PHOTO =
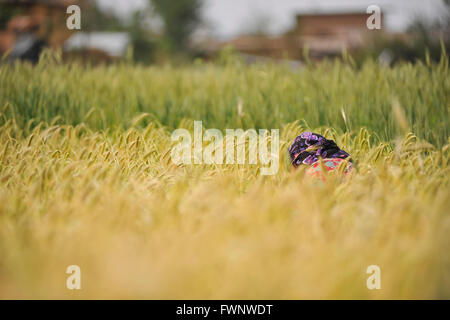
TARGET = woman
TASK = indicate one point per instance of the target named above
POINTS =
(309, 147)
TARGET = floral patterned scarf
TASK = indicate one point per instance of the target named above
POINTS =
(309, 146)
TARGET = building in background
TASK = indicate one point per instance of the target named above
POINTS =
(323, 34)
(36, 24)
(330, 34)
(98, 46)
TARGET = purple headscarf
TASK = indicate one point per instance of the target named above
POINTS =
(309, 146)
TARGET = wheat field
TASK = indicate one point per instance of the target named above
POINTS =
(86, 179)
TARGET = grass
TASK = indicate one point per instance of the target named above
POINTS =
(270, 95)
(86, 179)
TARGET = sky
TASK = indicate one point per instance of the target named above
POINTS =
(228, 18)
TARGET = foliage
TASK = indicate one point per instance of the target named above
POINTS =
(180, 19)
(271, 95)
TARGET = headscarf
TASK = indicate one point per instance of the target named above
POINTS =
(309, 146)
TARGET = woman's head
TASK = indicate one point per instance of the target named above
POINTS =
(309, 146)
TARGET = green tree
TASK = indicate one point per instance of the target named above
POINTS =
(180, 18)
(143, 44)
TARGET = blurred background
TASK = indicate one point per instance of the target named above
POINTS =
(161, 31)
